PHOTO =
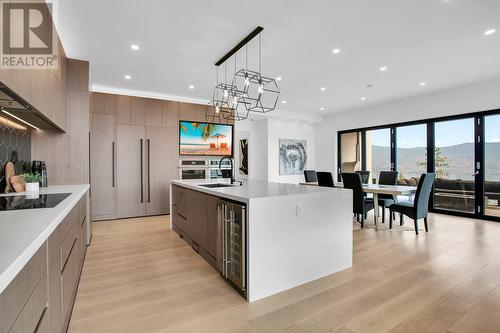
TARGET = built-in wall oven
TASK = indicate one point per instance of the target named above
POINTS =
(204, 169)
(193, 169)
(231, 252)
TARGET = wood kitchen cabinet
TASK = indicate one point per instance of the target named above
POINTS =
(103, 166)
(194, 217)
(40, 298)
(211, 229)
(130, 178)
(157, 164)
(141, 181)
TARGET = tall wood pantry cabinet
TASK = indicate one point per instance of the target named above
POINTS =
(134, 155)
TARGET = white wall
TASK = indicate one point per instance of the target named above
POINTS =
(256, 131)
(263, 148)
(476, 97)
(283, 129)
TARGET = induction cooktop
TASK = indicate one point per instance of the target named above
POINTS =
(18, 202)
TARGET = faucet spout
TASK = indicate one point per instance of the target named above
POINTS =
(229, 158)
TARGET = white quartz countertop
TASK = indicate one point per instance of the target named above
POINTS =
(22, 232)
(255, 189)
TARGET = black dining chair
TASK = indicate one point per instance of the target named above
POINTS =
(325, 179)
(419, 208)
(360, 204)
(385, 200)
(365, 176)
(310, 176)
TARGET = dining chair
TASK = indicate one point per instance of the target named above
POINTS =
(310, 176)
(385, 200)
(365, 176)
(360, 204)
(325, 179)
(419, 208)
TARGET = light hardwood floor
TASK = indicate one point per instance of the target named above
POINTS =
(139, 276)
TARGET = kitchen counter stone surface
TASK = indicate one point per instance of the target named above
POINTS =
(255, 189)
(22, 232)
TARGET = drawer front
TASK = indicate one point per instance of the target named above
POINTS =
(17, 294)
(33, 311)
(179, 220)
(67, 223)
(68, 242)
(69, 279)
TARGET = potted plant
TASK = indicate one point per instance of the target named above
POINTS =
(32, 182)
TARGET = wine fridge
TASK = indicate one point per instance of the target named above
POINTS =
(231, 251)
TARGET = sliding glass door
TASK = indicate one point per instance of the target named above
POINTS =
(454, 188)
(378, 151)
(492, 165)
(463, 151)
(411, 152)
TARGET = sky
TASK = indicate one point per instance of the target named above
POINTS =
(193, 135)
(448, 133)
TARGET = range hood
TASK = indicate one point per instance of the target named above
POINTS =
(15, 108)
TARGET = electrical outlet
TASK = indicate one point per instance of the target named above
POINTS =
(299, 210)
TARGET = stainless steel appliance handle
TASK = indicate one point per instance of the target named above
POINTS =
(142, 174)
(224, 262)
(113, 163)
(229, 240)
(149, 173)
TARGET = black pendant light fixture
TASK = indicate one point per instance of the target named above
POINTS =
(249, 90)
(261, 92)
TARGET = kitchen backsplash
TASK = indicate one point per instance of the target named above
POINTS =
(13, 138)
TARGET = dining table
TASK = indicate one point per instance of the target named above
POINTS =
(376, 189)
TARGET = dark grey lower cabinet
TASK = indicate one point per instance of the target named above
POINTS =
(194, 218)
(40, 298)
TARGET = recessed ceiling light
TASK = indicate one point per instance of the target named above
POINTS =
(279, 78)
(363, 98)
(296, 120)
(336, 51)
(489, 32)
(322, 88)
(383, 68)
(283, 102)
(191, 87)
(282, 118)
(423, 83)
(128, 77)
(134, 47)
(322, 108)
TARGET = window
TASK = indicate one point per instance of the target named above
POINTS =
(378, 151)
(492, 165)
(454, 165)
(411, 155)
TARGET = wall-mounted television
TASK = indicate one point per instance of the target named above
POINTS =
(205, 139)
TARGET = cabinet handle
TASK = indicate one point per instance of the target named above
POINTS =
(142, 174)
(113, 163)
(149, 173)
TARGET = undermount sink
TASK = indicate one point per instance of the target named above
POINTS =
(215, 185)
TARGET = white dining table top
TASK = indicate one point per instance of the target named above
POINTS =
(379, 189)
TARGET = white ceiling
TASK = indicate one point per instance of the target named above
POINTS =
(437, 41)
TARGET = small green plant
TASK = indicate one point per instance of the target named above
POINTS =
(31, 177)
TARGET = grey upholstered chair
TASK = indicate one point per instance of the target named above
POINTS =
(360, 204)
(419, 208)
(310, 176)
(325, 179)
(385, 200)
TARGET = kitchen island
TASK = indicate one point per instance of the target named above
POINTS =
(265, 237)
